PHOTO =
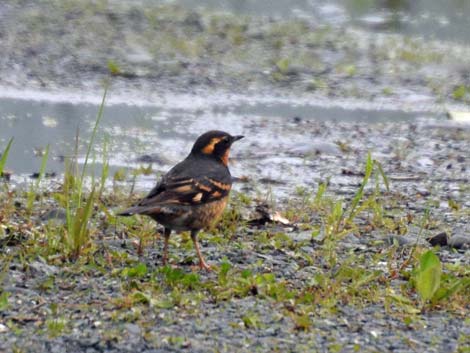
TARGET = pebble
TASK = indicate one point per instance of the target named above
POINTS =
(460, 242)
(398, 239)
(439, 239)
(43, 269)
(57, 215)
(133, 329)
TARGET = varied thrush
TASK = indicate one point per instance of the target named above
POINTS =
(194, 193)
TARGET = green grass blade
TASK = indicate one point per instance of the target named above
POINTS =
(360, 193)
(87, 211)
(3, 159)
(320, 192)
(42, 170)
(93, 135)
(78, 236)
(382, 173)
(104, 169)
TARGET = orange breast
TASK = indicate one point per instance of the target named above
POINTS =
(206, 215)
(182, 217)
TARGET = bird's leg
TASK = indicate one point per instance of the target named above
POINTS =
(166, 235)
(203, 265)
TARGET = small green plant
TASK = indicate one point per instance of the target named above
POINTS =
(428, 275)
(302, 322)
(56, 327)
(371, 167)
(432, 284)
(339, 220)
(349, 69)
(459, 92)
(77, 226)
(78, 209)
(283, 65)
(252, 320)
(113, 68)
(4, 300)
(176, 278)
(138, 271)
(223, 272)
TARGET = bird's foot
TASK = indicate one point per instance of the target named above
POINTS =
(202, 266)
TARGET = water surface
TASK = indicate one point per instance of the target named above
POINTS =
(129, 131)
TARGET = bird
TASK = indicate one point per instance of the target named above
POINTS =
(194, 193)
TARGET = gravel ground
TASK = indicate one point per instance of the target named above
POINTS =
(98, 306)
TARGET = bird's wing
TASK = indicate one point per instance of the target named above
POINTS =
(186, 191)
(191, 182)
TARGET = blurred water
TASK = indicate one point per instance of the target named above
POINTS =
(141, 129)
(130, 131)
(446, 20)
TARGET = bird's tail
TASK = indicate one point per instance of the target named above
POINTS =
(127, 212)
(138, 210)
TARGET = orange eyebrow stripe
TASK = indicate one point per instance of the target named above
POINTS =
(209, 148)
(220, 185)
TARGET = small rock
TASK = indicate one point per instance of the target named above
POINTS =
(6, 174)
(439, 239)
(425, 162)
(397, 239)
(302, 236)
(272, 181)
(46, 175)
(193, 20)
(91, 341)
(460, 116)
(43, 268)
(423, 191)
(150, 158)
(350, 172)
(316, 147)
(351, 238)
(133, 329)
(3, 328)
(57, 215)
(459, 242)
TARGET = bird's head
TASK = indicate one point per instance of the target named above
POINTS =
(216, 144)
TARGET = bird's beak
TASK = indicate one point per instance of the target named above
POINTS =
(236, 138)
